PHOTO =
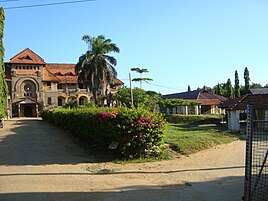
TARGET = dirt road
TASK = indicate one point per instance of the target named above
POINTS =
(40, 162)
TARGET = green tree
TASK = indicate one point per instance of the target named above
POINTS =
(255, 85)
(96, 68)
(229, 89)
(3, 84)
(141, 79)
(237, 86)
(143, 99)
(218, 89)
(207, 88)
(247, 80)
(189, 88)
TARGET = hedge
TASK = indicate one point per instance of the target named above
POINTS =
(139, 133)
(179, 118)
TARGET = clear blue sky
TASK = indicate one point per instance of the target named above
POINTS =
(181, 42)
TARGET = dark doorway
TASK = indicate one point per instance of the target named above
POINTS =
(28, 111)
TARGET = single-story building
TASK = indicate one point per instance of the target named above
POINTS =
(208, 102)
(234, 107)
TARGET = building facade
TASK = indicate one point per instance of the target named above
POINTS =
(35, 85)
(208, 101)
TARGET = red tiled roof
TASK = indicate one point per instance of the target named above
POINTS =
(48, 76)
(62, 68)
(65, 73)
(27, 56)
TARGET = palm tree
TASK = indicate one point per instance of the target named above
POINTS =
(96, 68)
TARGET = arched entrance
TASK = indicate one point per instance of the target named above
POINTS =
(27, 105)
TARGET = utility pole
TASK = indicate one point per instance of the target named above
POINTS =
(131, 93)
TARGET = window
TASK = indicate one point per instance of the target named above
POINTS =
(60, 101)
(60, 86)
(49, 100)
(49, 84)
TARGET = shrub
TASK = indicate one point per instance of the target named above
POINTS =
(138, 132)
(179, 118)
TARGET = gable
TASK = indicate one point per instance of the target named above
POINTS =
(27, 56)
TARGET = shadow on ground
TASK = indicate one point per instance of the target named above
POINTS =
(35, 142)
(222, 189)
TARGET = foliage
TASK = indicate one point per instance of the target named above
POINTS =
(189, 88)
(247, 79)
(229, 89)
(95, 67)
(142, 99)
(179, 118)
(141, 79)
(255, 85)
(3, 84)
(218, 89)
(175, 102)
(71, 104)
(237, 86)
(138, 132)
(207, 88)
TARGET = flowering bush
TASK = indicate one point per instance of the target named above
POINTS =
(138, 132)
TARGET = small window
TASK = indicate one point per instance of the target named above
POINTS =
(49, 100)
(60, 86)
(49, 84)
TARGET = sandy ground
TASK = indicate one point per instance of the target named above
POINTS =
(40, 162)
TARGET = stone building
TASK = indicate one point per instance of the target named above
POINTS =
(35, 85)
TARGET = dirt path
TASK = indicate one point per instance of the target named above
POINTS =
(40, 162)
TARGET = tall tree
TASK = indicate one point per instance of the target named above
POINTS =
(237, 86)
(247, 79)
(189, 88)
(3, 84)
(96, 68)
(218, 89)
(141, 79)
(229, 89)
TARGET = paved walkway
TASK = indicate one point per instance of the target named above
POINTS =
(39, 162)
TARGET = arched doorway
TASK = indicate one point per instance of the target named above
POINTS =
(61, 101)
(28, 106)
(83, 100)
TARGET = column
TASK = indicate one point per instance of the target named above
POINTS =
(196, 109)
(19, 109)
(36, 106)
(186, 109)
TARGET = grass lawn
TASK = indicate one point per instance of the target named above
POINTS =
(190, 138)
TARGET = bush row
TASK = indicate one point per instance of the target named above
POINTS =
(139, 133)
(178, 118)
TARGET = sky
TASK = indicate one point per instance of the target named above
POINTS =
(180, 42)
